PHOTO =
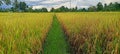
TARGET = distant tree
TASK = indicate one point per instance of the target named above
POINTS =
(16, 5)
(83, 10)
(105, 7)
(111, 7)
(7, 10)
(40, 10)
(52, 10)
(116, 6)
(76, 9)
(44, 10)
(58, 10)
(72, 9)
(23, 6)
(62, 9)
(92, 9)
(29, 9)
(12, 9)
(0, 9)
(99, 6)
(37, 10)
(67, 9)
(119, 6)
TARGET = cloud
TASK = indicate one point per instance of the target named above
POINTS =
(108, 1)
(57, 3)
(46, 3)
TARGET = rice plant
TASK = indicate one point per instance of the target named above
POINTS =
(23, 33)
(93, 32)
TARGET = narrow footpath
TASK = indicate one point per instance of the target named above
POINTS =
(56, 41)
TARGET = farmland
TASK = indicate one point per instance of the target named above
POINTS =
(92, 33)
(60, 33)
(23, 33)
(59, 26)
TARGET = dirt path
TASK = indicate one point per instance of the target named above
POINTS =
(56, 42)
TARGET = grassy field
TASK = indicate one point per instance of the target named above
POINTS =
(23, 33)
(92, 33)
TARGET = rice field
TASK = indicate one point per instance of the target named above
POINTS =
(91, 32)
(48, 33)
(23, 33)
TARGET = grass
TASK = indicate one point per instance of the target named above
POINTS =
(23, 33)
(93, 32)
(56, 42)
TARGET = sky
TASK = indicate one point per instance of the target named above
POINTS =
(58, 3)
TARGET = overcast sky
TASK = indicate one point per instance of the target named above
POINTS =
(57, 3)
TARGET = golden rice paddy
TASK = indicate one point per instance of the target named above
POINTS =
(23, 33)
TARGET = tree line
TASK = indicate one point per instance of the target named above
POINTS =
(99, 7)
(18, 6)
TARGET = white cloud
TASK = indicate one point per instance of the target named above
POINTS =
(57, 3)
(108, 1)
(37, 7)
